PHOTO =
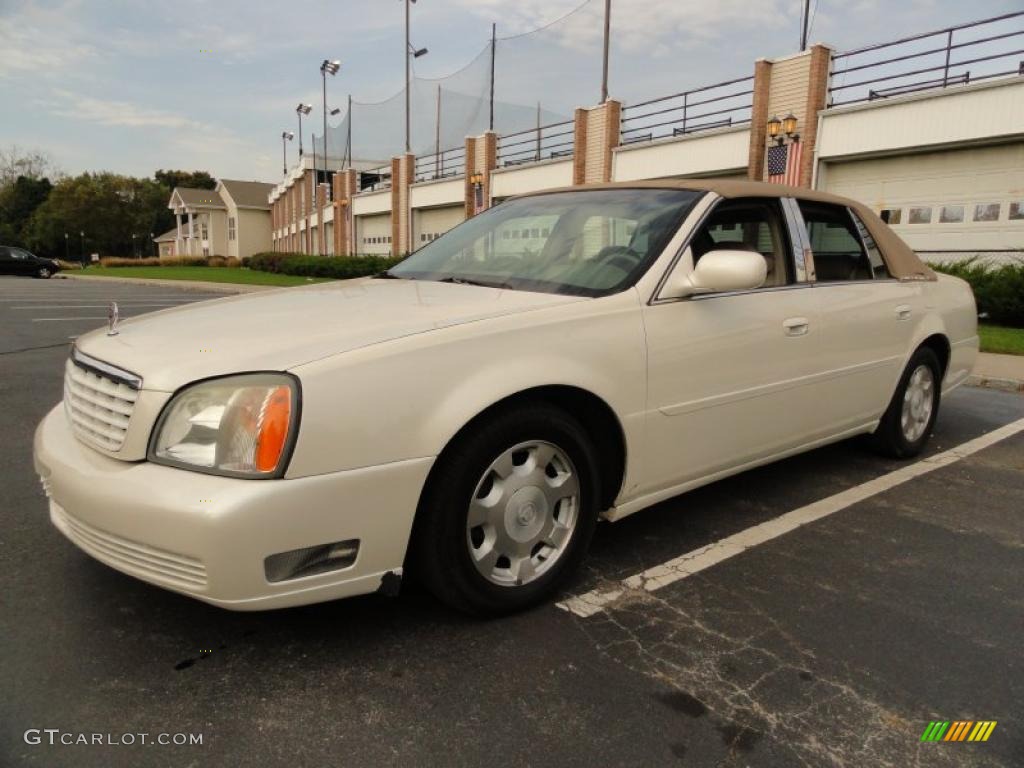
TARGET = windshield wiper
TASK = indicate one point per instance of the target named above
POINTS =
(468, 281)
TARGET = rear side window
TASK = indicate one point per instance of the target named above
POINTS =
(838, 252)
(878, 268)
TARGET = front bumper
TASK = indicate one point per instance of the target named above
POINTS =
(208, 536)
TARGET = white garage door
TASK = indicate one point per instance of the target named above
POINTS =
(942, 202)
(431, 223)
(373, 234)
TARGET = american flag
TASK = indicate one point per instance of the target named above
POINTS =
(784, 164)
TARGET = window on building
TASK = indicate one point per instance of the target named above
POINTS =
(231, 227)
(891, 215)
(951, 214)
(920, 215)
(746, 225)
(1017, 210)
(836, 244)
(987, 212)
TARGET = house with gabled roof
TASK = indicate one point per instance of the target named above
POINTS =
(233, 219)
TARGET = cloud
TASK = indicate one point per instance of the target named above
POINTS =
(36, 41)
(78, 106)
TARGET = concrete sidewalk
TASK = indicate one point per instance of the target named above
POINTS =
(1004, 372)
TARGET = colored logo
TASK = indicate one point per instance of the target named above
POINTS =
(959, 730)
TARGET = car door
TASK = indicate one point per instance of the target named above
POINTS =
(730, 374)
(24, 262)
(867, 317)
(7, 263)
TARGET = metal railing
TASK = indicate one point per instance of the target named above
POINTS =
(701, 109)
(448, 163)
(967, 53)
(553, 140)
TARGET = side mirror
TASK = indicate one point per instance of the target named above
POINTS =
(717, 271)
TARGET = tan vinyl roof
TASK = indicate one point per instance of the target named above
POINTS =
(249, 194)
(170, 234)
(900, 258)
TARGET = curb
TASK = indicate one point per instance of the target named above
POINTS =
(1005, 385)
(188, 285)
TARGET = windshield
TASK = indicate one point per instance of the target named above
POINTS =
(586, 243)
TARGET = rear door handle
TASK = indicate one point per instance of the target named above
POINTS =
(796, 326)
(903, 312)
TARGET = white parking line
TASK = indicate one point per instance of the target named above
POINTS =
(671, 571)
(49, 319)
(104, 306)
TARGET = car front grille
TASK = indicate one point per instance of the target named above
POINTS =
(99, 400)
(142, 560)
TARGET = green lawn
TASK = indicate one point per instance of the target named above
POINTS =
(207, 274)
(1005, 341)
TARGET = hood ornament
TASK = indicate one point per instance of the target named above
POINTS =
(113, 318)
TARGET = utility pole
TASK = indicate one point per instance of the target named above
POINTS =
(348, 138)
(408, 64)
(494, 45)
(804, 24)
(437, 136)
(607, 34)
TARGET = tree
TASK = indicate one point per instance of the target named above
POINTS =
(194, 179)
(107, 207)
(18, 201)
(31, 164)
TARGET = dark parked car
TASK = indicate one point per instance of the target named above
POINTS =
(18, 261)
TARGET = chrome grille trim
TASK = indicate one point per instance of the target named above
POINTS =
(99, 400)
(157, 564)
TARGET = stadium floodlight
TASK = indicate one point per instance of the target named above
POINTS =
(286, 136)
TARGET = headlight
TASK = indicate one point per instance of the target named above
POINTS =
(242, 426)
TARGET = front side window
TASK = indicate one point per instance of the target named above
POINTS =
(835, 243)
(585, 243)
(748, 225)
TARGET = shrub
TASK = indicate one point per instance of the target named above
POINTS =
(340, 267)
(233, 261)
(114, 261)
(69, 264)
(998, 289)
(216, 261)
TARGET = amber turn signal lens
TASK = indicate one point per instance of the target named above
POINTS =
(277, 414)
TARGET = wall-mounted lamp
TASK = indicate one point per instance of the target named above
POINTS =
(781, 129)
(476, 178)
(774, 127)
(789, 127)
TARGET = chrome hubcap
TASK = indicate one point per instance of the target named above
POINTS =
(918, 401)
(523, 513)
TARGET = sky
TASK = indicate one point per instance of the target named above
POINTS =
(133, 86)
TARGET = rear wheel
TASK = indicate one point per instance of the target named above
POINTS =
(509, 512)
(907, 424)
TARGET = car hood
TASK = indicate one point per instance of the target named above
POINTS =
(281, 329)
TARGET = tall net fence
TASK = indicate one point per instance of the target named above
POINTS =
(539, 77)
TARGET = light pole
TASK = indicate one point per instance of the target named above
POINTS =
(286, 136)
(327, 67)
(302, 109)
(82, 243)
(67, 255)
(151, 240)
(410, 53)
(135, 251)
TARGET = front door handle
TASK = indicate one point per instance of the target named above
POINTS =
(796, 326)
(903, 312)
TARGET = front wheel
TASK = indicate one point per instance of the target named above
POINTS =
(44, 273)
(509, 512)
(907, 424)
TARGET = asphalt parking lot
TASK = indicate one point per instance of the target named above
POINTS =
(833, 644)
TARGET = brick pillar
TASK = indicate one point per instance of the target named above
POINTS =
(796, 85)
(481, 159)
(403, 170)
(344, 191)
(596, 132)
(759, 119)
(323, 204)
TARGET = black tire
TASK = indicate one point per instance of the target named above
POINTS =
(44, 273)
(439, 554)
(890, 439)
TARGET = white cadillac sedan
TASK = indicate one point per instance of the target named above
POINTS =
(469, 415)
